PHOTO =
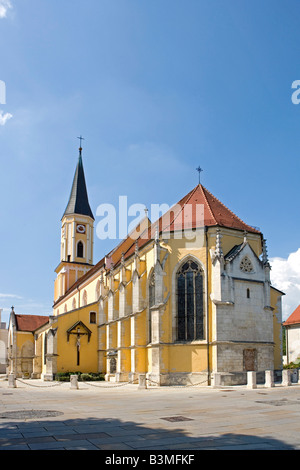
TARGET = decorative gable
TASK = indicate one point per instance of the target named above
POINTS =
(242, 262)
(79, 329)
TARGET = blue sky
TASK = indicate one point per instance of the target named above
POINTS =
(156, 88)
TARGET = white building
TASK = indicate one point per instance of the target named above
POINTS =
(292, 328)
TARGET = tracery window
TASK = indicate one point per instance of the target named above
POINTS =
(246, 265)
(190, 302)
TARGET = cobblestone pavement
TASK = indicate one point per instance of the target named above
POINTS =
(40, 415)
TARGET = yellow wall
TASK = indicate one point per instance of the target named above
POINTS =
(189, 357)
(23, 337)
(67, 350)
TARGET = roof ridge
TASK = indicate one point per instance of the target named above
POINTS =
(229, 210)
(204, 195)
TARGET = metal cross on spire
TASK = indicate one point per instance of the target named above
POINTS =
(81, 139)
(199, 169)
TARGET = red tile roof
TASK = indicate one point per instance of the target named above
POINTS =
(215, 212)
(181, 215)
(199, 208)
(293, 318)
(30, 322)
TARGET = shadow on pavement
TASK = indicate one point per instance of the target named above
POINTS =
(37, 433)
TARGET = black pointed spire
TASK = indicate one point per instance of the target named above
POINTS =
(78, 201)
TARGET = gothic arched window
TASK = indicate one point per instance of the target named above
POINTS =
(84, 298)
(190, 317)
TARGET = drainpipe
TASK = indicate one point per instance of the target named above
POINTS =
(207, 308)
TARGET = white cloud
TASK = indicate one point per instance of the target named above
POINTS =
(10, 296)
(285, 276)
(5, 5)
(4, 117)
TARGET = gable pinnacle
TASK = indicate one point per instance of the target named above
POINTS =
(264, 252)
(218, 250)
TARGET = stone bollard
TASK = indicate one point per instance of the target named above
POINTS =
(142, 382)
(74, 382)
(269, 378)
(12, 381)
(286, 377)
(251, 379)
(216, 379)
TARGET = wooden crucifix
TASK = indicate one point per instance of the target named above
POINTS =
(79, 330)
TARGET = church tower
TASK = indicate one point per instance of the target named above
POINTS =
(77, 235)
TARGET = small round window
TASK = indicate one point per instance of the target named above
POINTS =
(246, 265)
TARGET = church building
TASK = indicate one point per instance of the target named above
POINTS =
(182, 299)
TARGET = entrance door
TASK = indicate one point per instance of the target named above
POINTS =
(250, 359)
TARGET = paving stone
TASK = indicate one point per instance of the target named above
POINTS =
(76, 436)
(114, 447)
(20, 447)
(127, 419)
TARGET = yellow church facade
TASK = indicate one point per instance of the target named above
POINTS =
(180, 300)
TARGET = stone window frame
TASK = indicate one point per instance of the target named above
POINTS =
(174, 300)
(93, 317)
(246, 265)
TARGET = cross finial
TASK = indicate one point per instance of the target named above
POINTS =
(199, 169)
(81, 139)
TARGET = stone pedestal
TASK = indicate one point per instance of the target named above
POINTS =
(12, 381)
(286, 377)
(269, 378)
(74, 382)
(142, 382)
(216, 379)
(251, 379)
